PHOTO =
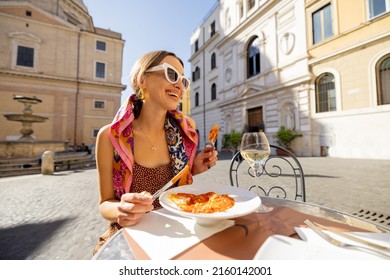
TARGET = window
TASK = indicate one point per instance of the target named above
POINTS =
(253, 56)
(24, 51)
(250, 4)
(28, 13)
(213, 61)
(100, 70)
(196, 45)
(197, 99)
(325, 93)
(213, 92)
(241, 9)
(99, 104)
(255, 119)
(95, 132)
(25, 56)
(101, 46)
(196, 74)
(377, 7)
(212, 29)
(322, 24)
(383, 80)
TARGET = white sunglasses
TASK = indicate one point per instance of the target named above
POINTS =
(171, 74)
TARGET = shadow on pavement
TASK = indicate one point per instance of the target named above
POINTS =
(17, 243)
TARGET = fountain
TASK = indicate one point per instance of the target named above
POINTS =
(27, 118)
(26, 145)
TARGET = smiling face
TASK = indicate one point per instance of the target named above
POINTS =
(159, 90)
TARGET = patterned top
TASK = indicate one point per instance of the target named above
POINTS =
(151, 179)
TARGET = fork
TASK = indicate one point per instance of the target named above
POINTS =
(212, 137)
(354, 238)
(341, 244)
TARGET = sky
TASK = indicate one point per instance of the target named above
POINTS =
(148, 25)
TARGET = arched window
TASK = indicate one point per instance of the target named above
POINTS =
(213, 92)
(253, 57)
(196, 74)
(213, 61)
(325, 93)
(197, 99)
(383, 80)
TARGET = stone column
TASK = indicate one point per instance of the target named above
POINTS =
(47, 166)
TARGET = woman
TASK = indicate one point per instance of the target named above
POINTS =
(148, 142)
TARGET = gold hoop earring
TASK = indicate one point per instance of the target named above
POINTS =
(141, 95)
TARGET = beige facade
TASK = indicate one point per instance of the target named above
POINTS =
(185, 104)
(52, 50)
(355, 123)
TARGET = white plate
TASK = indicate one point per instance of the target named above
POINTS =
(245, 203)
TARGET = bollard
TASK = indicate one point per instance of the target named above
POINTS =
(47, 166)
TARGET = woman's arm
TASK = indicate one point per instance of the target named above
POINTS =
(132, 206)
(104, 163)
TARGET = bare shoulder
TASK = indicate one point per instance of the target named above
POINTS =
(102, 137)
(103, 142)
(103, 131)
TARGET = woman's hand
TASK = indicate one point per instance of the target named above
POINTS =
(133, 207)
(204, 160)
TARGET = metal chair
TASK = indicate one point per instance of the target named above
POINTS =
(281, 175)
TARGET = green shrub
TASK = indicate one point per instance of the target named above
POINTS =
(285, 136)
(232, 140)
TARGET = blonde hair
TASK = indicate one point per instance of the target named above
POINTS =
(144, 63)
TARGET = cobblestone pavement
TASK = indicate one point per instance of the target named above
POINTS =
(56, 217)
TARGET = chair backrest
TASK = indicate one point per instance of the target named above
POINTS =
(280, 176)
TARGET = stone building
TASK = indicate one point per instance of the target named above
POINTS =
(256, 72)
(320, 67)
(51, 50)
(349, 58)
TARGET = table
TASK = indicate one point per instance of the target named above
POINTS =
(242, 240)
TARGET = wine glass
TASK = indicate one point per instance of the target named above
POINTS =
(255, 150)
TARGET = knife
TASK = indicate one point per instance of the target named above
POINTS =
(170, 183)
(354, 238)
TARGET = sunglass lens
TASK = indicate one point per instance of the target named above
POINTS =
(185, 82)
(172, 75)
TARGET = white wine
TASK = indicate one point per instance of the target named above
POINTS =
(255, 150)
(253, 156)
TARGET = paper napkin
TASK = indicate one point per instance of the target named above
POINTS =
(163, 235)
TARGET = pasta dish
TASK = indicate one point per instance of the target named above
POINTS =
(209, 202)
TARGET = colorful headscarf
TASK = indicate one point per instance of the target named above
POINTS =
(181, 137)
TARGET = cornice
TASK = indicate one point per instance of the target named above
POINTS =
(357, 45)
(242, 95)
(4, 72)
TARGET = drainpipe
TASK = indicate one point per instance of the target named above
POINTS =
(204, 90)
(77, 90)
